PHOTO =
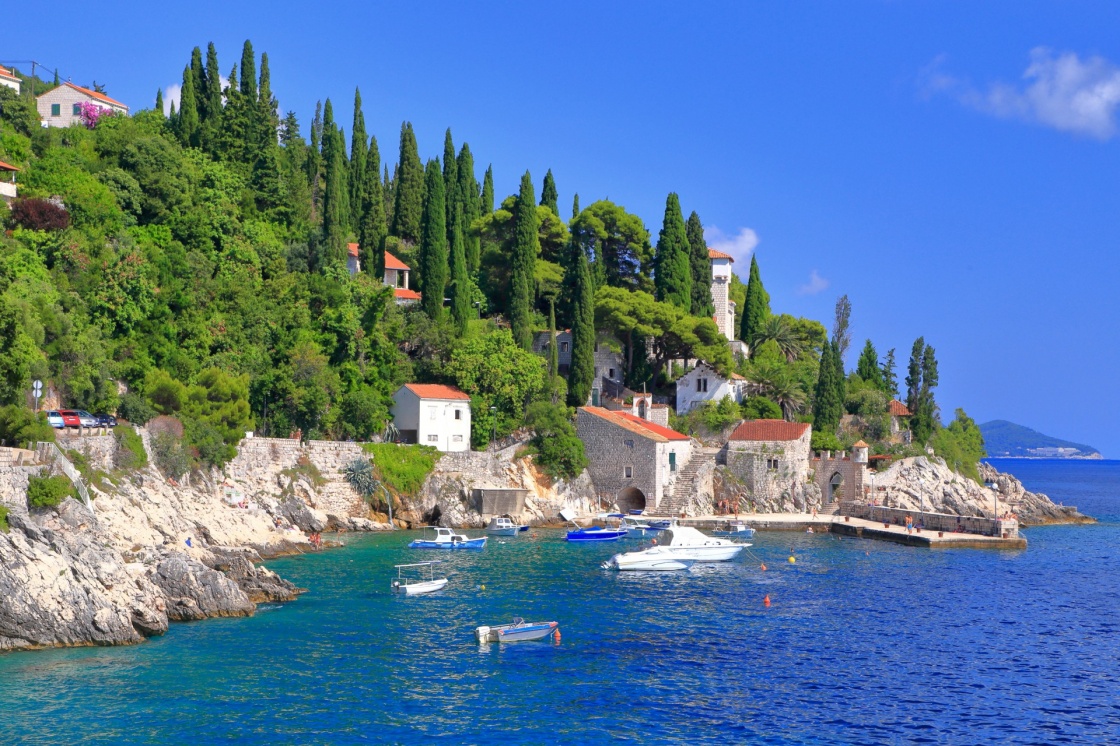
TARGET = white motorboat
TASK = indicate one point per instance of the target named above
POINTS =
(445, 538)
(427, 582)
(655, 559)
(686, 543)
(519, 631)
(503, 525)
(734, 529)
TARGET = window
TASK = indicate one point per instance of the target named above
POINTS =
(563, 347)
(628, 472)
(629, 443)
(56, 110)
(772, 464)
(458, 416)
(456, 438)
(702, 385)
(77, 109)
(433, 438)
(431, 413)
(611, 376)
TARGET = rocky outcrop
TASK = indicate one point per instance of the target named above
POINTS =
(732, 490)
(1033, 508)
(194, 591)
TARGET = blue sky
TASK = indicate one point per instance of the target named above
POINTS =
(951, 167)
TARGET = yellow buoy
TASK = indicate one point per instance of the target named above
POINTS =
(482, 587)
(792, 559)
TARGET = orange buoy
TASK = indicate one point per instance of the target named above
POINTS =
(766, 601)
(764, 567)
(556, 635)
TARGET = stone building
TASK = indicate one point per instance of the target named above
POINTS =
(60, 107)
(843, 477)
(704, 384)
(770, 460)
(353, 263)
(432, 414)
(633, 462)
(543, 340)
(721, 293)
(900, 421)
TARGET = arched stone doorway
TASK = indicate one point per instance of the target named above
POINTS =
(642, 409)
(836, 488)
(631, 498)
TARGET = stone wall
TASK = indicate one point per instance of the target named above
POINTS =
(749, 477)
(98, 450)
(1008, 528)
(610, 449)
(853, 479)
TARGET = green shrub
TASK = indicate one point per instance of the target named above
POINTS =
(961, 445)
(3, 519)
(761, 408)
(20, 426)
(47, 492)
(304, 468)
(559, 451)
(170, 456)
(130, 453)
(135, 409)
(824, 441)
(402, 468)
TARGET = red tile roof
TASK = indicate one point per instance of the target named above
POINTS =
(436, 391)
(391, 262)
(352, 249)
(898, 409)
(406, 294)
(859, 444)
(713, 254)
(6, 73)
(7, 167)
(770, 430)
(95, 95)
(637, 425)
(653, 427)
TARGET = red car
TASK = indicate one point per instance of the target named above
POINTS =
(70, 418)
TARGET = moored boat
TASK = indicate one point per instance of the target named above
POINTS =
(686, 543)
(503, 525)
(655, 559)
(445, 538)
(734, 529)
(518, 631)
(592, 533)
(417, 586)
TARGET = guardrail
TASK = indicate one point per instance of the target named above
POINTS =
(50, 453)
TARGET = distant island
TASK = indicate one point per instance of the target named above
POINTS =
(1003, 439)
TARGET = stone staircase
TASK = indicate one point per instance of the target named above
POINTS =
(831, 509)
(683, 488)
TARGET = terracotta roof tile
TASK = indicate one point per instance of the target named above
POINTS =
(898, 409)
(713, 254)
(653, 427)
(770, 430)
(352, 249)
(406, 294)
(391, 262)
(95, 95)
(7, 167)
(860, 444)
(637, 425)
(6, 73)
(436, 391)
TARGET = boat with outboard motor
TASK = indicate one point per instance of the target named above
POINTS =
(445, 538)
(503, 525)
(427, 582)
(654, 559)
(680, 543)
(518, 631)
(592, 533)
(734, 529)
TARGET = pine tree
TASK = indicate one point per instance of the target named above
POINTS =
(460, 277)
(575, 206)
(828, 406)
(450, 179)
(487, 204)
(468, 194)
(248, 72)
(358, 176)
(701, 265)
(159, 101)
(374, 227)
(581, 374)
(867, 368)
(433, 243)
(890, 379)
(549, 195)
(526, 246)
(841, 334)
(672, 274)
(757, 307)
(411, 178)
(188, 111)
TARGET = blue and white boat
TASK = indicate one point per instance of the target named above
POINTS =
(734, 529)
(592, 533)
(504, 525)
(445, 538)
(519, 631)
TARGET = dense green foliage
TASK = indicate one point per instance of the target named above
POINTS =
(402, 469)
(961, 445)
(701, 265)
(581, 374)
(558, 451)
(433, 270)
(3, 519)
(20, 426)
(761, 408)
(526, 246)
(757, 306)
(48, 492)
(672, 263)
(130, 453)
(921, 380)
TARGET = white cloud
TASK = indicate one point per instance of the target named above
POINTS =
(171, 93)
(739, 246)
(815, 284)
(1061, 91)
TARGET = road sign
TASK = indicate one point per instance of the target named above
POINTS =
(37, 385)
(37, 393)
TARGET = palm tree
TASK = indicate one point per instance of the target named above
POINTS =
(774, 381)
(778, 330)
(360, 475)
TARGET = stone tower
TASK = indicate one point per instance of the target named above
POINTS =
(721, 293)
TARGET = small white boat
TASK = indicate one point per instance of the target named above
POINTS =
(655, 559)
(503, 525)
(686, 543)
(734, 529)
(416, 586)
(518, 631)
(445, 538)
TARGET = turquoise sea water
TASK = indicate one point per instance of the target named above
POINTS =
(865, 643)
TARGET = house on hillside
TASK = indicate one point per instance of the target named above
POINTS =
(433, 415)
(396, 277)
(61, 106)
(704, 384)
(543, 340)
(771, 459)
(632, 462)
(8, 189)
(900, 421)
(9, 79)
(353, 263)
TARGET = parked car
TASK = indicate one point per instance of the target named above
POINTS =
(105, 420)
(54, 419)
(87, 419)
(69, 418)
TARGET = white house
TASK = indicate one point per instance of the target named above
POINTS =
(704, 384)
(396, 277)
(353, 263)
(432, 414)
(7, 181)
(9, 79)
(59, 107)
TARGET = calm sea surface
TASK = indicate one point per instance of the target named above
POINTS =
(865, 642)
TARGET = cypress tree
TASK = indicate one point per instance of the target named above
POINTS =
(198, 81)
(334, 217)
(188, 111)
(173, 117)
(701, 265)
(268, 120)
(315, 158)
(827, 405)
(358, 151)
(374, 226)
(248, 72)
(408, 205)
(925, 419)
(581, 374)
(487, 204)
(460, 277)
(867, 367)
(433, 243)
(468, 194)
(673, 274)
(159, 101)
(553, 354)
(549, 195)
(209, 91)
(890, 379)
(575, 206)
(450, 179)
(526, 246)
(914, 374)
(757, 307)
(389, 193)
